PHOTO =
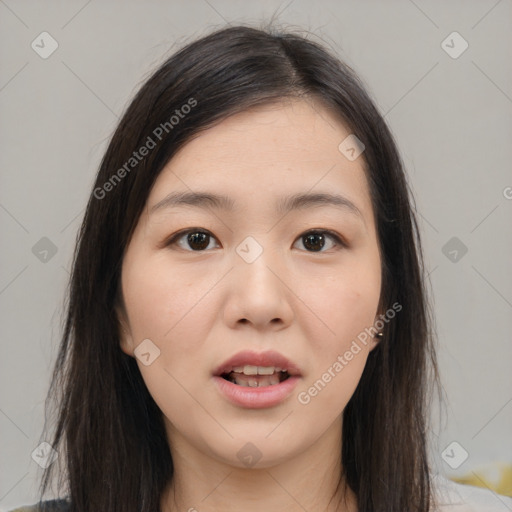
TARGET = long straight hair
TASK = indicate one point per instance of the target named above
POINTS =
(108, 429)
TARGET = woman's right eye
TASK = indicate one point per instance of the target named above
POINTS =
(193, 240)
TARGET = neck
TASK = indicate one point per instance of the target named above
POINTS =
(305, 481)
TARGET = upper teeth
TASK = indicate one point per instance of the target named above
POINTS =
(257, 370)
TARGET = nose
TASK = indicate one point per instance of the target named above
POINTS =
(259, 294)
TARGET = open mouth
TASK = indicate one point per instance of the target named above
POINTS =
(256, 376)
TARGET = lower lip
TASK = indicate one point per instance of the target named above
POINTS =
(256, 398)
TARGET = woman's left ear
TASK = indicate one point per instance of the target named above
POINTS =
(378, 336)
(376, 339)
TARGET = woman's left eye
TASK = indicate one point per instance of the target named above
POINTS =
(198, 240)
(314, 241)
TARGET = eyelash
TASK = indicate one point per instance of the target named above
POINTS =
(331, 234)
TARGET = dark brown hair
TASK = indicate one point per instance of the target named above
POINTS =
(109, 429)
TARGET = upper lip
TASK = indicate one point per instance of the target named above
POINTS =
(249, 357)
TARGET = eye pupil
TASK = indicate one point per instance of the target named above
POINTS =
(198, 238)
(313, 240)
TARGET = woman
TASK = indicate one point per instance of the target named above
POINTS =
(248, 327)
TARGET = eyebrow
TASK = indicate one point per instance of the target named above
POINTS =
(206, 200)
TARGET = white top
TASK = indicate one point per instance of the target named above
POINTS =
(455, 497)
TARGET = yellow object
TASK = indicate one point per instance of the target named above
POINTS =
(497, 477)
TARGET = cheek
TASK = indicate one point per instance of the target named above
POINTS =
(174, 309)
(339, 355)
(345, 303)
(170, 309)
(161, 302)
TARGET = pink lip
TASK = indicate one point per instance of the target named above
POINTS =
(249, 357)
(258, 397)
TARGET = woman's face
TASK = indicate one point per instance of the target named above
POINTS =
(251, 277)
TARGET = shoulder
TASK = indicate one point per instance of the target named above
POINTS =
(454, 497)
(46, 506)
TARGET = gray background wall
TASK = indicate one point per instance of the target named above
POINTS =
(451, 117)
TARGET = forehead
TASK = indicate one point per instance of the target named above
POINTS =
(290, 130)
(275, 150)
